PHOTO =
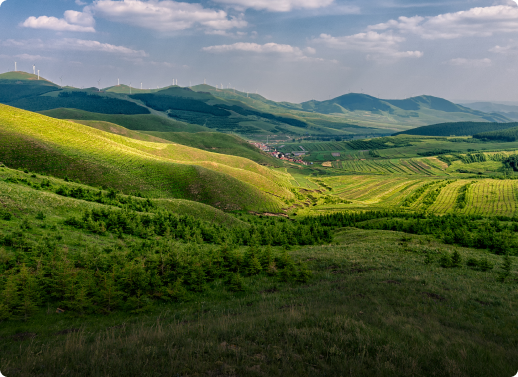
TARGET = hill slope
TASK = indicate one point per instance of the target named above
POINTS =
(143, 122)
(63, 148)
(219, 143)
(457, 129)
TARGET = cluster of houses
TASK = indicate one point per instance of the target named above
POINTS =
(261, 146)
(292, 157)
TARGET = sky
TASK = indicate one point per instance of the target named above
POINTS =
(286, 50)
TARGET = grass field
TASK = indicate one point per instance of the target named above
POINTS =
(372, 306)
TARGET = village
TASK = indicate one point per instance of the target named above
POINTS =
(295, 157)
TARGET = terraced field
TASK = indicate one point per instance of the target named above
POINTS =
(421, 166)
(483, 196)
(497, 197)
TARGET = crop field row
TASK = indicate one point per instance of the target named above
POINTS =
(370, 189)
(492, 197)
(392, 166)
(483, 196)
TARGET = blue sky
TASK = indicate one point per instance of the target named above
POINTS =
(287, 50)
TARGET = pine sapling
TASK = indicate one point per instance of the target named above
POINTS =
(445, 261)
(506, 268)
(456, 259)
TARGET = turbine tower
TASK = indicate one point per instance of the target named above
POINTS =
(118, 82)
(61, 81)
(140, 86)
(99, 83)
(38, 74)
(15, 68)
(130, 87)
(34, 68)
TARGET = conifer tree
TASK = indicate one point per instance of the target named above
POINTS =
(9, 297)
(506, 269)
(456, 259)
(28, 293)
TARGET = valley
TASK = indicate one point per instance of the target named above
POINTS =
(145, 228)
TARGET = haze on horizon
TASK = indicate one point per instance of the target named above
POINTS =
(287, 50)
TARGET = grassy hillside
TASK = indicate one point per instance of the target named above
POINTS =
(119, 130)
(219, 143)
(63, 148)
(132, 122)
(457, 129)
(80, 100)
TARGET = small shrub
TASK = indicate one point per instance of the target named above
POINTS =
(472, 262)
(446, 261)
(506, 269)
(7, 216)
(235, 282)
(303, 274)
(456, 259)
(25, 225)
(485, 265)
(40, 216)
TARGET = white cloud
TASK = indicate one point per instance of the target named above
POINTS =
(286, 51)
(267, 48)
(73, 44)
(32, 57)
(376, 45)
(470, 62)
(277, 5)
(80, 3)
(53, 23)
(72, 21)
(164, 15)
(1, 1)
(481, 22)
(79, 18)
(510, 49)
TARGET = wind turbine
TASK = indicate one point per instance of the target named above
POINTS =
(130, 87)
(38, 74)
(15, 68)
(99, 83)
(61, 81)
(140, 86)
(34, 68)
(118, 82)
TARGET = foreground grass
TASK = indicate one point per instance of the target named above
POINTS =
(373, 307)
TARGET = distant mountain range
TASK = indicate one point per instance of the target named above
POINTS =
(509, 111)
(227, 110)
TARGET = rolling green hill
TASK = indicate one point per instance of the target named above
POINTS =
(420, 110)
(147, 122)
(66, 149)
(252, 115)
(457, 129)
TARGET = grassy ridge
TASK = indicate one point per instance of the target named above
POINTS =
(131, 122)
(99, 158)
